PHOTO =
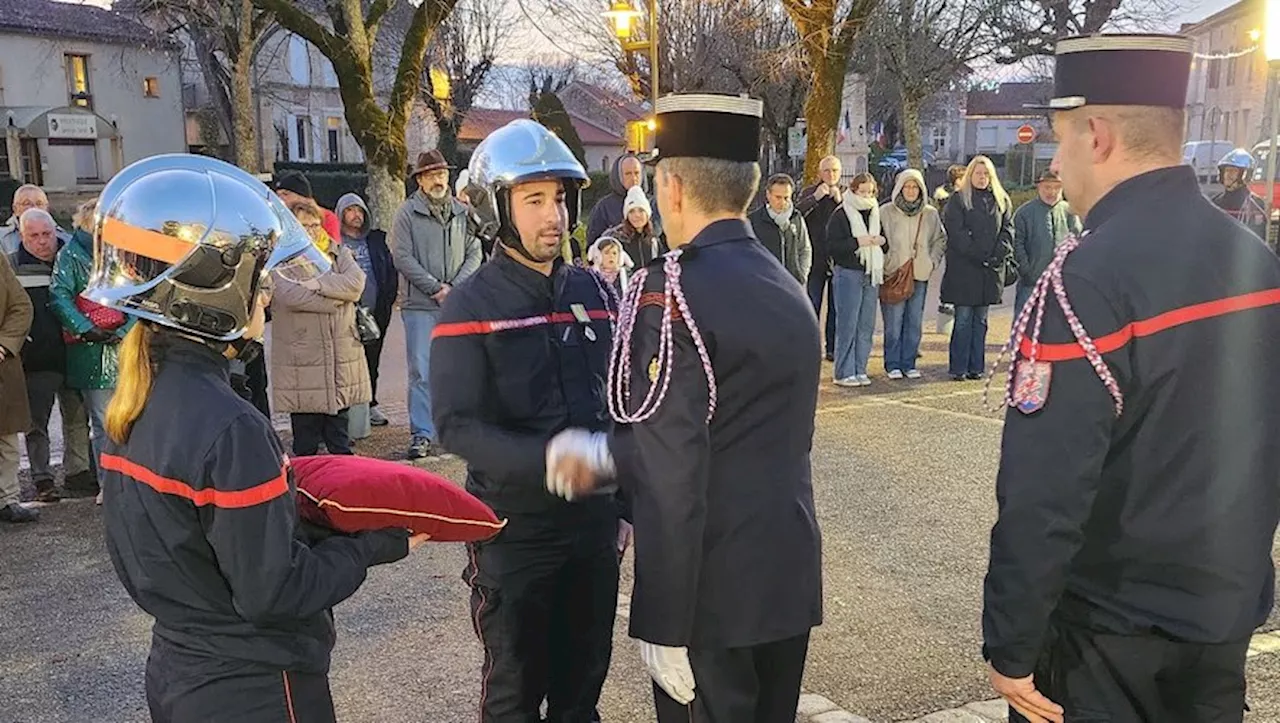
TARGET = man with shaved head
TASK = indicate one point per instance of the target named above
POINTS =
(1131, 558)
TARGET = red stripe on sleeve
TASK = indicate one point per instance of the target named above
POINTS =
(1156, 324)
(474, 328)
(255, 495)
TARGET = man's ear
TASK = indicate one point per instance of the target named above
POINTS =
(1104, 136)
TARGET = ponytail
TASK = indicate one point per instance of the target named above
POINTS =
(133, 386)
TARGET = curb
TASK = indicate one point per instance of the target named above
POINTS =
(815, 708)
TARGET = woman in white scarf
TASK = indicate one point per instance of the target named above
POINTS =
(856, 246)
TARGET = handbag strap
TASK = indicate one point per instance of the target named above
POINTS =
(915, 243)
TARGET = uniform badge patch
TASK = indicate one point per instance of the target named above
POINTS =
(653, 370)
(1031, 385)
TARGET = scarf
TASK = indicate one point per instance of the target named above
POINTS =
(324, 243)
(871, 257)
(782, 218)
(910, 208)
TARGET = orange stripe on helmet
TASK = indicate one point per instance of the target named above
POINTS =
(144, 242)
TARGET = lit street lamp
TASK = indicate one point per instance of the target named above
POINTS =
(1271, 47)
(622, 15)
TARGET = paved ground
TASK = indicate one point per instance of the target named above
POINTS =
(903, 479)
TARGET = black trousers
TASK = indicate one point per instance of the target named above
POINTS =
(544, 594)
(760, 684)
(309, 430)
(373, 356)
(181, 689)
(256, 379)
(1140, 679)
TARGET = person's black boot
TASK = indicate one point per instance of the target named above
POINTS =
(45, 492)
(15, 512)
(81, 484)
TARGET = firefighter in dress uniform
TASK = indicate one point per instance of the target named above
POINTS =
(1234, 172)
(714, 383)
(521, 353)
(1131, 558)
(199, 507)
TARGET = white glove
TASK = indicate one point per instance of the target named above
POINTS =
(590, 448)
(670, 669)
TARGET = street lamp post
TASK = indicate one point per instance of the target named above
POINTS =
(1271, 48)
(622, 14)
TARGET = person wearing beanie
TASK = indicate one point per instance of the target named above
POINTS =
(293, 187)
(636, 232)
(628, 173)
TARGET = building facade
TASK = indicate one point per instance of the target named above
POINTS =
(1226, 99)
(83, 92)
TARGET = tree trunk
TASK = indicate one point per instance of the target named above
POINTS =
(384, 195)
(822, 113)
(911, 130)
(245, 140)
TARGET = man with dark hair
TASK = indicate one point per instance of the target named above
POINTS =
(292, 187)
(1131, 558)
(781, 228)
(716, 464)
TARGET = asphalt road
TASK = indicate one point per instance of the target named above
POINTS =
(904, 473)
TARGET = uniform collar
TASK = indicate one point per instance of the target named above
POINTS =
(529, 279)
(1161, 186)
(193, 353)
(729, 229)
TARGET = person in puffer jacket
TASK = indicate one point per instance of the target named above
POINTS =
(610, 211)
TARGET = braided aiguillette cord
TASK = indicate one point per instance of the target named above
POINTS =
(620, 358)
(1052, 278)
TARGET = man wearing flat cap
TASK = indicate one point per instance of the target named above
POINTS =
(434, 247)
(1138, 495)
(713, 387)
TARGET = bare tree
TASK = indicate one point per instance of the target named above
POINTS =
(348, 39)
(827, 29)
(1031, 28)
(926, 45)
(226, 37)
(462, 57)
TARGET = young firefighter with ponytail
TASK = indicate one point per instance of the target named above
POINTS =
(199, 502)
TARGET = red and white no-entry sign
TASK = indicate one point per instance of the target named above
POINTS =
(1026, 134)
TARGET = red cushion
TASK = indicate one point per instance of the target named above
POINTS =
(353, 494)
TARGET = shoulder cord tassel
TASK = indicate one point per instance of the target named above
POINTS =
(1052, 277)
(619, 382)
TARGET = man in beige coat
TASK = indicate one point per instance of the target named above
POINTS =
(15, 414)
(318, 367)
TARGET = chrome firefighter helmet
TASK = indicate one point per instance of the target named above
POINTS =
(1237, 158)
(187, 242)
(519, 152)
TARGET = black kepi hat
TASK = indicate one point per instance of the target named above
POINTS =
(725, 127)
(1121, 69)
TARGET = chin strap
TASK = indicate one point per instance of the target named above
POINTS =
(246, 350)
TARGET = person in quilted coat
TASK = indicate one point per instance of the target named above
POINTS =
(318, 366)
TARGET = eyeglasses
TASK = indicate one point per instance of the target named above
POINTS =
(313, 227)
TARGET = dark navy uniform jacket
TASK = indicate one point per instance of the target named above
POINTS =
(518, 356)
(201, 522)
(1159, 522)
(728, 552)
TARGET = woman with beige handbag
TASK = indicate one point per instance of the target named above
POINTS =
(917, 241)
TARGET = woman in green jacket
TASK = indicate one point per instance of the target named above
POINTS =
(92, 357)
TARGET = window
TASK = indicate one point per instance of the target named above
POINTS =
(299, 61)
(78, 81)
(1231, 67)
(31, 170)
(4, 159)
(151, 86)
(333, 132)
(282, 143)
(1215, 67)
(941, 135)
(327, 73)
(86, 157)
(301, 137)
(604, 164)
